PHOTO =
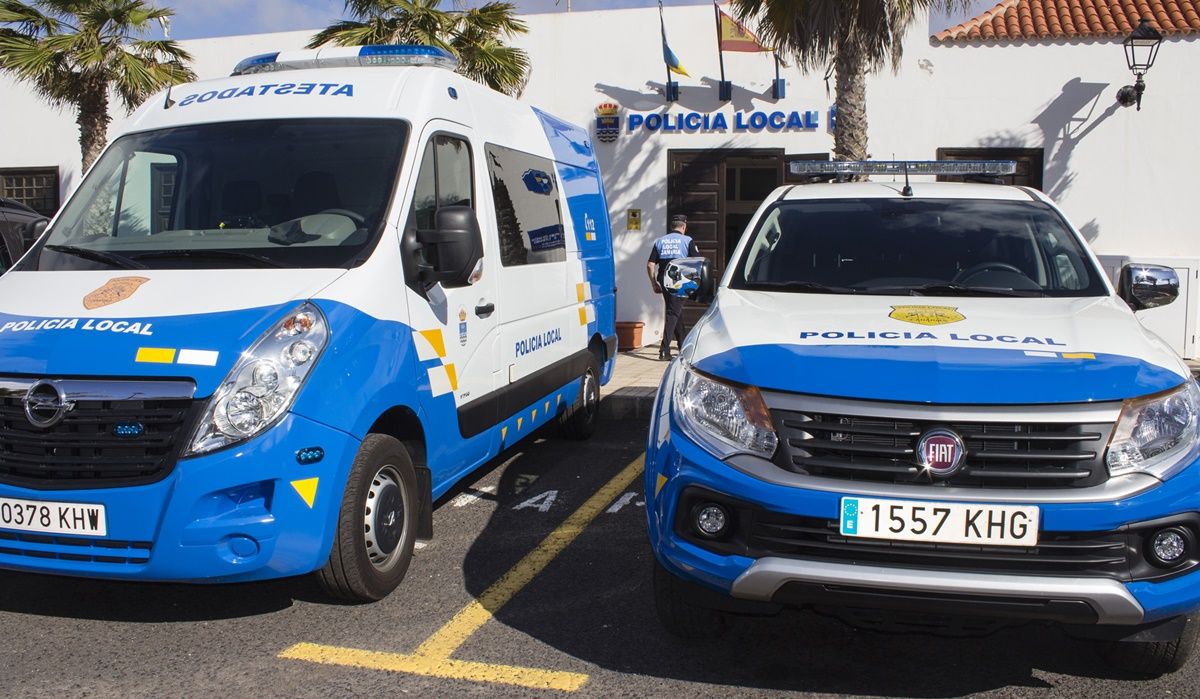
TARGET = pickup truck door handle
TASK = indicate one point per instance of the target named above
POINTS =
(485, 309)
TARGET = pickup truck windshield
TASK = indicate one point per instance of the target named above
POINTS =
(922, 247)
(279, 193)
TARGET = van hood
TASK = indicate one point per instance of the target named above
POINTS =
(143, 323)
(934, 349)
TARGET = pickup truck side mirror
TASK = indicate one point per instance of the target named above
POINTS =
(1147, 286)
(33, 231)
(453, 248)
(691, 278)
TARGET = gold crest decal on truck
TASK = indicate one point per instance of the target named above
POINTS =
(114, 290)
(926, 315)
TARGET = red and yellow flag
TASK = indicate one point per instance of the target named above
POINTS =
(736, 37)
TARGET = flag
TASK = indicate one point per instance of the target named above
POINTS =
(734, 36)
(669, 57)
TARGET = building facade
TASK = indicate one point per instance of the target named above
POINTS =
(1030, 80)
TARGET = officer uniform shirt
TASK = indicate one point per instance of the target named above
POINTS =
(670, 247)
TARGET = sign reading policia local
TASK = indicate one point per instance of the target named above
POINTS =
(609, 121)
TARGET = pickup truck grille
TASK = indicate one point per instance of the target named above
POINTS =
(998, 454)
(115, 433)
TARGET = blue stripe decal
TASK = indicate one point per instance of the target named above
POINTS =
(950, 375)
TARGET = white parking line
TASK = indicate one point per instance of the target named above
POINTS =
(473, 496)
(621, 502)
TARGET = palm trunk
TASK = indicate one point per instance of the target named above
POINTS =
(850, 136)
(93, 119)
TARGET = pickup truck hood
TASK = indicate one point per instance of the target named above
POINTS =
(143, 323)
(934, 349)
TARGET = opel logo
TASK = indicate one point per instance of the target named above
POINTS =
(45, 405)
(941, 452)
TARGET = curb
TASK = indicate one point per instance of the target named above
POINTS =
(628, 403)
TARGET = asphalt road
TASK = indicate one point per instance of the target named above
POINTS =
(578, 611)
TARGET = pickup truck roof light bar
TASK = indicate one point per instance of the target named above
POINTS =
(348, 56)
(836, 168)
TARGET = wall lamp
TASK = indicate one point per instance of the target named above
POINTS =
(1141, 48)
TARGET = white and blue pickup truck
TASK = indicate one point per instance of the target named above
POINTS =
(927, 399)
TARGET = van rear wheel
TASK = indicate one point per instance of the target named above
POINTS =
(377, 524)
(579, 421)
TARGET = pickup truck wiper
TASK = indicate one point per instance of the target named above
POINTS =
(111, 258)
(213, 255)
(802, 286)
(953, 289)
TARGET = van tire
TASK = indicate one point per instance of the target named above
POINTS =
(1154, 658)
(370, 556)
(579, 421)
(680, 617)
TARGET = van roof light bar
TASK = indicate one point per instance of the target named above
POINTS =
(987, 168)
(349, 56)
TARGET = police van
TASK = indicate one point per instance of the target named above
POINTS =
(287, 311)
(922, 405)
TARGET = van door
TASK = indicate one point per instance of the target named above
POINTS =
(456, 329)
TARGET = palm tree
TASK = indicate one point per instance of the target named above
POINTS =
(476, 36)
(78, 52)
(854, 37)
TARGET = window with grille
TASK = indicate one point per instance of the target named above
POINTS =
(36, 188)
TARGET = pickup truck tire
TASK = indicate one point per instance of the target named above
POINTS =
(680, 617)
(579, 421)
(1154, 658)
(377, 524)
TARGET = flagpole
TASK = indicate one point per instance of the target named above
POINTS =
(720, 53)
(662, 25)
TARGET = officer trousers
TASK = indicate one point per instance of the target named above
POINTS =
(673, 327)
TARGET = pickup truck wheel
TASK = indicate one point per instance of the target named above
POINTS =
(680, 617)
(377, 524)
(579, 422)
(1153, 658)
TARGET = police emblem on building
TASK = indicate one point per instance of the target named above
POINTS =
(608, 122)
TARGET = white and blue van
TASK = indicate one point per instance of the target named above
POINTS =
(924, 407)
(288, 310)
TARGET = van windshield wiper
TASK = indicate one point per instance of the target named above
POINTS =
(953, 289)
(110, 258)
(262, 261)
(801, 286)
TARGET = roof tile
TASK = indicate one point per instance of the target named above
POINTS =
(1031, 20)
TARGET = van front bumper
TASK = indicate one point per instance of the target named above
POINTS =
(675, 464)
(239, 514)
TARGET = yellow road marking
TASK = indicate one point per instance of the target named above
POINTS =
(432, 658)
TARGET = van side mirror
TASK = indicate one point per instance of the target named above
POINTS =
(691, 278)
(453, 248)
(1147, 286)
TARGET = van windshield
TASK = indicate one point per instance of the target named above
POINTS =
(279, 193)
(923, 247)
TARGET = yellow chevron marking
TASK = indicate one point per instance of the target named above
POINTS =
(453, 376)
(579, 292)
(155, 355)
(435, 339)
(1078, 355)
(307, 490)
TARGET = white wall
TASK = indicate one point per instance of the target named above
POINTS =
(1121, 175)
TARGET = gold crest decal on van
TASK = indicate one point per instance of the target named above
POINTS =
(114, 290)
(926, 315)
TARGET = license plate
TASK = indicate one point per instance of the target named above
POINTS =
(73, 518)
(940, 522)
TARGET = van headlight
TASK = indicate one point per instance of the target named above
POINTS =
(264, 382)
(1156, 434)
(723, 418)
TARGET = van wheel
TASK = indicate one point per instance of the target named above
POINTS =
(680, 617)
(1154, 658)
(580, 421)
(377, 524)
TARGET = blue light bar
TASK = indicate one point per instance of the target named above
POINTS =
(349, 56)
(987, 168)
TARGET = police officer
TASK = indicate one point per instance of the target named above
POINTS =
(675, 244)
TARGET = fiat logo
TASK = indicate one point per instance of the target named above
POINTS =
(941, 452)
(45, 405)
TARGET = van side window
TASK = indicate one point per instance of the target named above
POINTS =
(527, 211)
(443, 180)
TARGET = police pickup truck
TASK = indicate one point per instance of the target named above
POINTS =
(927, 401)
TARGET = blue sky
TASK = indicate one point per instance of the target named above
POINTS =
(206, 18)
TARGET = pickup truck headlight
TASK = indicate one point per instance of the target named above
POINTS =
(263, 384)
(1156, 434)
(723, 418)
